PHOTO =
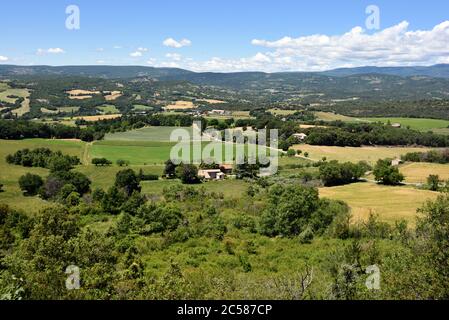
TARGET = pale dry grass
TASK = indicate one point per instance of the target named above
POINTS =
(78, 94)
(418, 172)
(390, 203)
(353, 154)
(82, 92)
(25, 107)
(181, 105)
(212, 101)
(308, 126)
(48, 111)
(114, 95)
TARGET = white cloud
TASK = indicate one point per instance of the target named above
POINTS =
(41, 52)
(140, 51)
(3, 58)
(260, 57)
(101, 62)
(151, 61)
(100, 49)
(136, 54)
(172, 43)
(117, 47)
(393, 46)
(174, 56)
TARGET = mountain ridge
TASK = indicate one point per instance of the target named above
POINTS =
(110, 71)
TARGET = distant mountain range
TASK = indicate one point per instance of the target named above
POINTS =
(436, 71)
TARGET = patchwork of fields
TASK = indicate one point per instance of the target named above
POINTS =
(149, 148)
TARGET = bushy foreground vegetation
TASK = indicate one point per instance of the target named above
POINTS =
(249, 247)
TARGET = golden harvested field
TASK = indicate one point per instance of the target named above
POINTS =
(80, 97)
(390, 203)
(212, 101)
(48, 111)
(180, 105)
(99, 117)
(82, 92)
(352, 154)
(25, 107)
(328, 116)
(418, 172)
(113, 95)
(308, 126)
(9, 95)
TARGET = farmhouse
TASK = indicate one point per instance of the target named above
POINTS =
(300, 136)
(219, 112)
(226, 168)
(396, 162)
(211, 174)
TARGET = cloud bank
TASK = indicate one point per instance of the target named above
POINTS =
(41, 52)
(394, 46)
(172, 43)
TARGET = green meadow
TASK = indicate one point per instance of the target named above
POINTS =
(414, 123)
(146, 134)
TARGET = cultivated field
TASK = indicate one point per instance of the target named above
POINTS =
(146, 134)
(9, 95)
(108, 109)
(417, 124)
(137, 152)
(113, 95)
(390, 203)
(280, 112)
(48, 111)
(140, 107)
(180, 105)
(329, 116)
(81, 94)
(418, 172)
(152, 152)
(211, 101)
(25, 107)
(352, 154)
(234, 114)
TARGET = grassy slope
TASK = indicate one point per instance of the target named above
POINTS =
(390, 203)
(418, 172)
(9, 174)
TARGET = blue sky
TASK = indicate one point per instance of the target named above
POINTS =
(283, 35)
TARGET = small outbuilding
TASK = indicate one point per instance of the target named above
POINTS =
(212, 174)
(300, 136)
